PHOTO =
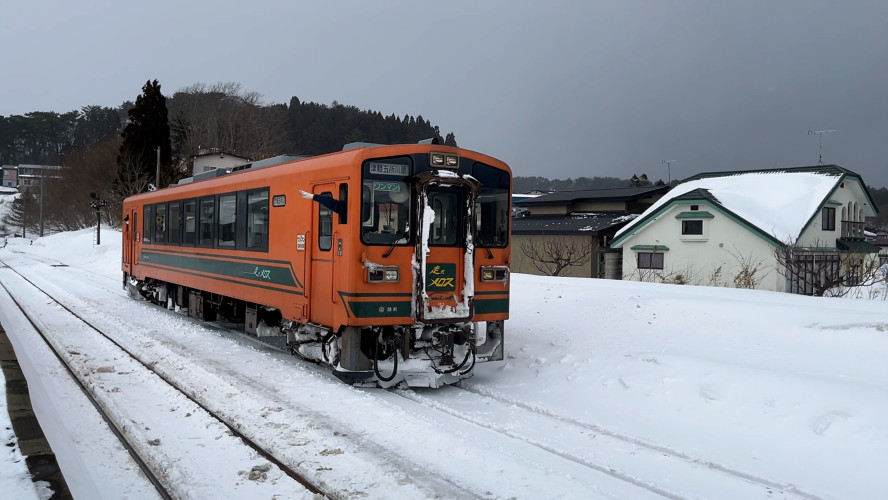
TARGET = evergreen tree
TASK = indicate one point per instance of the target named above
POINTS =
(23, 216)
(148, 129)
(95, 124)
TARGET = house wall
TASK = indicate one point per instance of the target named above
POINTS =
(714, 259)
(850, 203)
(10, 176)
(522, 264)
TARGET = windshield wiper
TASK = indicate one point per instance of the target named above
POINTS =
(390, 250)
(484, 246)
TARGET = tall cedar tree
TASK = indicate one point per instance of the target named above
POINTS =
(147, 129)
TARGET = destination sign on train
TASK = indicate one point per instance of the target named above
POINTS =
(389, 169)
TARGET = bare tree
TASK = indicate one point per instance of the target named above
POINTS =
(751, 272)
(223, 118)
(818, 273)
(90, 170)
(131, 178)
(554, 255)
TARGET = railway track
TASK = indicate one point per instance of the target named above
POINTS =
(154, 464)
(515, 430)
(636, 461)
(298, 436)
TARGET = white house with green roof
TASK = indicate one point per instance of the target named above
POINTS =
(717, 228)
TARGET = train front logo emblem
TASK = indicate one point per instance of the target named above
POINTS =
(440, 277)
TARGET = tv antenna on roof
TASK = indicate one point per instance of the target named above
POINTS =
(820, 134)
(668, 164)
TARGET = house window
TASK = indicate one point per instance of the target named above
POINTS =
(650, 260)
(692, 227)
(829, 219)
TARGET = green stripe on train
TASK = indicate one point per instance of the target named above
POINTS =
(380, 309)
(262, 272)
(399, 309)
(491, 306)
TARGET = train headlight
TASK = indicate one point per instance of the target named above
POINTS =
(383, 275)
(443, 160)
(495, 273)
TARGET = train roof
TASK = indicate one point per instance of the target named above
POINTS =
(354, 149)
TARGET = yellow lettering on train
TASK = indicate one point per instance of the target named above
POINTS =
(442, 283)
(437, 270)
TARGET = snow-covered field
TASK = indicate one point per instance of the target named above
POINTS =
(613, 389)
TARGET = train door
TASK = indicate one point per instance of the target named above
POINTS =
(322, 255)
(445, 287)
(130, 229)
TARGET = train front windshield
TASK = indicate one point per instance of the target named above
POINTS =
(388, 207)
(386, 213)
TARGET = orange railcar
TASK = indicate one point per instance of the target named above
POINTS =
(395, 271)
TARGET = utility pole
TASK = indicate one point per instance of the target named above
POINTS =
(41, 202)
(157, 174)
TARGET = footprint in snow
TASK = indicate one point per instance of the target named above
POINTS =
(822, 424)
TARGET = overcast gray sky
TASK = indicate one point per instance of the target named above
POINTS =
(557, 88)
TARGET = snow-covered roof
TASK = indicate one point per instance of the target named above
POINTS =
(571, 224)
(779, 202)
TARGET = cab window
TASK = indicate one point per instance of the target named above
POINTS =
(445, 229)
(492, 208)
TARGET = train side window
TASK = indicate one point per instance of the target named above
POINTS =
(257, 220)
(227, 219)
(325, 226)
(160, 223)
(206, 222)
(147, 228)
(189, 222)
(174, 224)
(343, 198)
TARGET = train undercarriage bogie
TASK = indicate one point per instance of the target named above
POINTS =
(416, 355)
(311, 342)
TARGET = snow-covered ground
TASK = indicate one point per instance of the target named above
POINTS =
(613, 389)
